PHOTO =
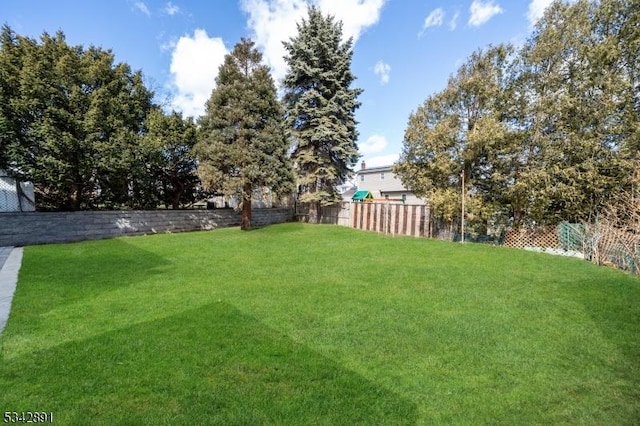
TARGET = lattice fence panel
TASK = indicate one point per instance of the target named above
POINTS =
(546, 237)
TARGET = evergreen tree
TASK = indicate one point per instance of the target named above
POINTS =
(70, 121)
(320, 108)
(242, 145)
(168, 154)
(12, 118)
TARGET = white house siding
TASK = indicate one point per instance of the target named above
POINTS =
(382, 182)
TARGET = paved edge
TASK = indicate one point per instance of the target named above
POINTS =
(8, 282)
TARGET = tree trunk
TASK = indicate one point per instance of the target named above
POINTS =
(178, 189)
(245, 220)
(518, 213)
(314, 211)
(76, 197)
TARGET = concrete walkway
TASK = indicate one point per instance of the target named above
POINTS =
(10, 261)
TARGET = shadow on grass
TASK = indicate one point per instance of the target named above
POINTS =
(211, 365)
(280, 228)
(613, 304)
(77, 271)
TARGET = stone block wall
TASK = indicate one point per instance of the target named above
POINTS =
(21, 229)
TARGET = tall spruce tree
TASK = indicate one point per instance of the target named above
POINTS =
(320, 108)
(242, 144)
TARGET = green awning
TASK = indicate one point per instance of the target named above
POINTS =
(362, 195)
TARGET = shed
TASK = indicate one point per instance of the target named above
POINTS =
(363, 195)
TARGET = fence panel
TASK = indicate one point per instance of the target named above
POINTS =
(16, 196)
(384, 218)
(336, 214)
(391, 218)
(543, 237)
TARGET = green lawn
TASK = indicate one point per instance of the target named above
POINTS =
(299, 324)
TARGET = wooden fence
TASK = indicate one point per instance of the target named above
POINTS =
(391, 219)
(385, 218)
(336, 214)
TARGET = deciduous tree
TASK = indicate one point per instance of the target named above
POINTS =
(548, 135)
(455, 136)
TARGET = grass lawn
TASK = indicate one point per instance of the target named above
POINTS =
(299, 324)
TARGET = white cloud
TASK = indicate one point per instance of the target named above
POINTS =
(536, 10)
(383, 71)
(194, 67)
(374, 144)
(453, 24)
(171, 9)
(435, 19)
(274, 21)
(381, 160)
(142, 8)
(271, 24)
(168, 45)
(356, 15)
(482, 11)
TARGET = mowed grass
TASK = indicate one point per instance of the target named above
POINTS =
(299, 324)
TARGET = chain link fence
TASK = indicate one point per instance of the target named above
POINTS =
(16, 196)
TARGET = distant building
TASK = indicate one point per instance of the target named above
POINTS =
(346, 196)
(346, 190)
(384, 184)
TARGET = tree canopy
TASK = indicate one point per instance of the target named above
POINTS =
(543, 134)
(242, 143)
(167, 153)
(75, 122)
(320, 108)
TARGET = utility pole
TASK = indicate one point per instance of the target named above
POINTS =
(462, 219)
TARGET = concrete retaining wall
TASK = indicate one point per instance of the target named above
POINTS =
(20, 229)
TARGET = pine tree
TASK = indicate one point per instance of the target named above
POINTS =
(242, 144)
(320, 108)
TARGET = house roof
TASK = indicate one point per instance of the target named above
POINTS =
(375, 169)
(362, 195)
(348, 194)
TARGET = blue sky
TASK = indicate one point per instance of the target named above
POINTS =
(404, 50)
